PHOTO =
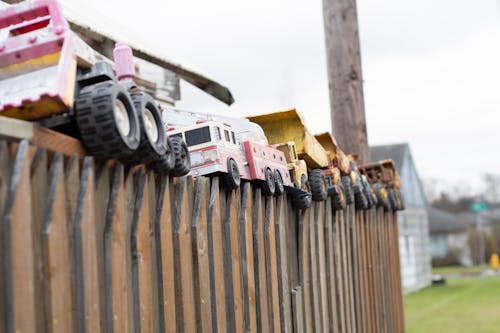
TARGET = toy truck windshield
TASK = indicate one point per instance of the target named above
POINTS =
(198, 136)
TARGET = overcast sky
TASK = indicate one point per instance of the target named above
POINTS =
(431, 68)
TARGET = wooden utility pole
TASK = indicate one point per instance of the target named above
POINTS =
(344, 76)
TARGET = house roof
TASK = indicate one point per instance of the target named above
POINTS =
(444, 222)
(395, 152)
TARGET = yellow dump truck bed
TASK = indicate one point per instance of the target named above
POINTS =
(329, 143)
(288, 125)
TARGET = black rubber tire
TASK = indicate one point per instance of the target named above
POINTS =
(98, 125)
(346, 183)
(392, 199)
(318, 185)
(269, 187)
(150, 150)
(231, 180)
(367, 193)
(338, 197)
(166, 162)
(360, 201)
(303, 200)
(401, 200)
(279, 186)
(382, 200)
(182, 160)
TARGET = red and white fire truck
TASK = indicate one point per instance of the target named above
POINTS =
(217, 148)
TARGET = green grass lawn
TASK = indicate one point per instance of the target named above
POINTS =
(462, 305)
(446, 270)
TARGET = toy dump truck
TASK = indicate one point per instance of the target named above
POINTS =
(287, 131)
(50, 76)
(386, 183)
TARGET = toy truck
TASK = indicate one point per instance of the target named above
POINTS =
(339, 175)
(249, 131)
(219, 149)
(49, 75)
(386, 183)
(287, 131)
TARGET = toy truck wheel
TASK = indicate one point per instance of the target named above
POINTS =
(382, 199)
(107, 121)
(318, 185)
(153, 143)
(392, 199)
(367, 194)
(303, 200)
(338, 197)
(346, 183)
(231, 180)
(166, 162)
(182, 160)
(400, 199)
(279, 186)
(359, 198)
(269, 185)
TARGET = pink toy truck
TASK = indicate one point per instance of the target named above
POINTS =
(217, 149)
(49, 75)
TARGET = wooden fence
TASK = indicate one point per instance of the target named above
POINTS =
(96, 247)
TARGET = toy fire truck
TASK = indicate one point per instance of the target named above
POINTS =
(217, 148)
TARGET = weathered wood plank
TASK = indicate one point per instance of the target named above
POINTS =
(151, 182)
(54, 141)
(183, 258)
(11, 128)
(271, 263)
(201, 269)
(4, 186)
(101, 197)
(348, 253)
(166, 255)
(86, 257)
(17, 247)
(331, 281)
(363, 324)
(116, 249)
(339, 268)
(39, 180)
(262, 294)
(217, 278)
(281, 219)
(298, 315)
(234, 292)
(304, 267)
(142, 258)
(319, 231)
(314, 270)
(71, 183)
(354, 269)
(247, 259)
(56, 254)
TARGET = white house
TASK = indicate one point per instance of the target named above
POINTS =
(413, 222)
